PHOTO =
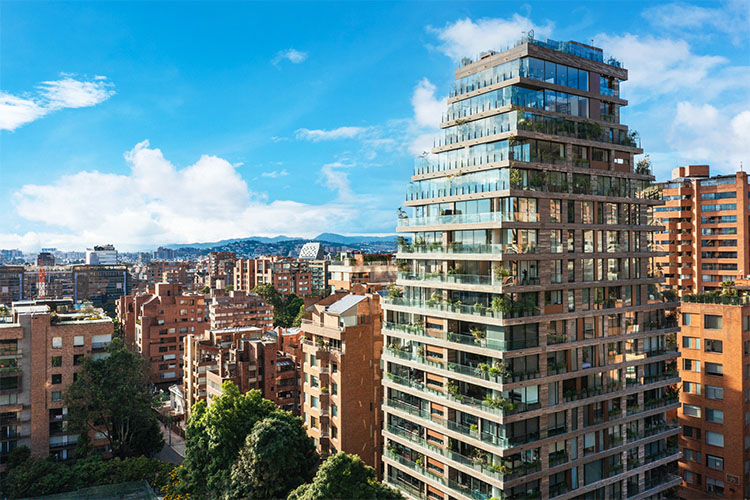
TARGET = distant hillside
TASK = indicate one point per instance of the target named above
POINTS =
(281, 245)
(323, 237)
(337, 238)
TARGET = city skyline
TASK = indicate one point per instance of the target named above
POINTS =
(201, 124)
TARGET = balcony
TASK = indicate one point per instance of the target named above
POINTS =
(309, 326)
(480, 218)
(467, 249)
(462, 338)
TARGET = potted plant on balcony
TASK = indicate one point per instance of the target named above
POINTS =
(420, 351)
(479, 334)
(480, 309)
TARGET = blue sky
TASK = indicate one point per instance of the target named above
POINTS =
(147, 123)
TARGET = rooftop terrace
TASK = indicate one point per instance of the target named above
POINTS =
(570, 47)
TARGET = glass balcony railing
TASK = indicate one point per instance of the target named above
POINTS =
(467, 339)
(469, 219)
(459, 279)
(467, 430)
(464, 248)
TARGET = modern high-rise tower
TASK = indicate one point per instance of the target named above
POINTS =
(529, 353)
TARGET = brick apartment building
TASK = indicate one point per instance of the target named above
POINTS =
(158, 322)
(247, 356)
(369, 269)
(237, 308)
(706, 233)
(287, 274)
(221, 266)
(244, 275)
(42, 344)
(715, 413)
(163, 271)
(342, 344)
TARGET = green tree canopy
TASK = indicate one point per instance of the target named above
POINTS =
(38, 477)
(285, 310)
(345, 476)
(277, 457)
(112, 395)
(215, 435)
(269, 293)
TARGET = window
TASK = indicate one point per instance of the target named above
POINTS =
(56, 378)
(691, 365)
(714, 345)
(690, 342)
(691, 455)
(686, 319)
(715, 416)
(334, 388)
(56, 360)
(712, 322)
(334, 411)
(334, 432)
(714, 392)
(715, 369)
(691, 432)
(56, 396)
(691, 388)
(715, 439)
(56, 342)
(714, 486)
(692, 410)
(77, 359)
(78, 341)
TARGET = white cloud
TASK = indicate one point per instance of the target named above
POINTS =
(428, 112)
(729, 18)
(50, 96)
(428, 109)
(659, 66)
(16, 111)
(156, 203)
(275, 174)
(702, 133)
(292, 55)
(468, 38)
(329, 135)
(337, 180)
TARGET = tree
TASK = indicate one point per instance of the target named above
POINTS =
(37, 477)
(269, 293)
(214, 437)
(285, 310)
(277, 457)
(112, 395)
(344, 476)
(300, 316)
(286, 313)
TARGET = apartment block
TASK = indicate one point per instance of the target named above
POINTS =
(42, 345)
(244, 275)
(221, 266)
(238, 309)
(160, 321)
(365, 269)
(11, 284)
(163, 271)
(249, 357)
(715, 371)
(101, 285)
(342, 387)
(528, 354)
(287, 274)
(706, 229)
